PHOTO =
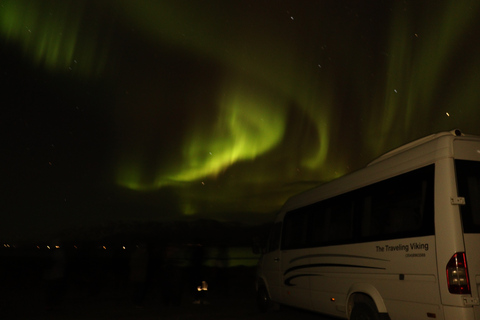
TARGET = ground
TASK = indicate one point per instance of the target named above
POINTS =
(234, 299)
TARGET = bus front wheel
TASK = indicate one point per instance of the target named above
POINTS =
(263, 299)
(363, 311)
(264, 303)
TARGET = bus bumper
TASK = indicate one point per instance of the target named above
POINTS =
(464, 313)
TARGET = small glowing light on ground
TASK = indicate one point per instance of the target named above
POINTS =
(203, 287)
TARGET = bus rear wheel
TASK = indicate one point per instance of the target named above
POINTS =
(363, 311)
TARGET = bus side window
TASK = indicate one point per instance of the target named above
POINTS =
(341, 220)
(332, 221)
(295, 228)
(400, 206)
(468, 180)
(319, 228)
(473, 200)
(368, 223)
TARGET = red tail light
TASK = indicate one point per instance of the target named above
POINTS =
(457, 274)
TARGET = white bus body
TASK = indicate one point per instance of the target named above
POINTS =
(398, 239)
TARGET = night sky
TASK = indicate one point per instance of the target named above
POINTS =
(149, 110)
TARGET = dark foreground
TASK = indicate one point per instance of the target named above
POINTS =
(234, 298)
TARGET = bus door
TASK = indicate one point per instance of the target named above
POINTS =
(296, 271)
(295, 259)
(271, 263)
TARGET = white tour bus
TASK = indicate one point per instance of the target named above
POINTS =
(398, 239)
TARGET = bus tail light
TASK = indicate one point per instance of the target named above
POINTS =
(457, 274)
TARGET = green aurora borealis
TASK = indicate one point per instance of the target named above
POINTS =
(230, 107)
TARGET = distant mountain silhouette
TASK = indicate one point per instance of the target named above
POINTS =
(205, 231)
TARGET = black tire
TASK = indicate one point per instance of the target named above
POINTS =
(263, 299)
(363, 311)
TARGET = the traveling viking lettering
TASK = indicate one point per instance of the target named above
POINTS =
(402, 247)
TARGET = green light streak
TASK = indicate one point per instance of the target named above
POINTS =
(265, 71)
(188, 209)
(322, 125)
(49, 34)
(252, 108)
(392, 97)
(249, 124)
(420, 55)
(129, 175)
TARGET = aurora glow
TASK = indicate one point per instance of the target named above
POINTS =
(424, 54)
(229, 107)
(55, 34)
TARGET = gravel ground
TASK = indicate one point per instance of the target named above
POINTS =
(223, 309)
(23, 300)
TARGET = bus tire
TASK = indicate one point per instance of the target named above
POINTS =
(264, 303)
(363, 311)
